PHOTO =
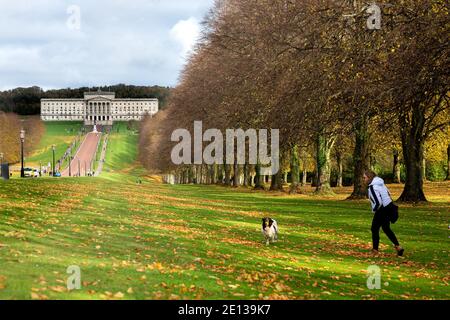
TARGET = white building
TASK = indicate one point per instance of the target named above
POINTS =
(97, 108)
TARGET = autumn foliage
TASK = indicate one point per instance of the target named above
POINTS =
(314, 70)
(10, 126)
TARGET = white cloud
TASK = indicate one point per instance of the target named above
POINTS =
(186, 33)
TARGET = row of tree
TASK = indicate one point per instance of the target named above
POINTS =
(27, 101)
(314, 70)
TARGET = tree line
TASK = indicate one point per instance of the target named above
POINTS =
(27, 101)
(333, 86)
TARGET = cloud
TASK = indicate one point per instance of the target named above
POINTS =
(186, 33)
(141, 42)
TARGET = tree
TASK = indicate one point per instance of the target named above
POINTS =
(448, 162)
(417, 82)
(10, 127)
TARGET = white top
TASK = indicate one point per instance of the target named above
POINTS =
(378, 194)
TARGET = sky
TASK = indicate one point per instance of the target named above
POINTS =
(61, 44)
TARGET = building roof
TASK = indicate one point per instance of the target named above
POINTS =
(99, 93)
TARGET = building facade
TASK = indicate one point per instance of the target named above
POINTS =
(98, 108)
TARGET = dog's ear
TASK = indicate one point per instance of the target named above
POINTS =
(263, 223)
(270, 222)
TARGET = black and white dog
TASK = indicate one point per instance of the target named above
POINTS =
(269, 230)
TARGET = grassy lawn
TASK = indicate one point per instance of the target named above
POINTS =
(155, 241)
(122, 148)
(62, 134)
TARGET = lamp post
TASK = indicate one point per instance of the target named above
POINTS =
(1, 163)
(70, 161)
(79, 168)
(54, 166)
(22, 140)
(70, 165)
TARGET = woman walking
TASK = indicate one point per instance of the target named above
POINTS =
(381, 205)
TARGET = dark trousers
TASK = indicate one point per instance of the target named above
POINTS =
(381, 220)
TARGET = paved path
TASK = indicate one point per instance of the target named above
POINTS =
(85, 155)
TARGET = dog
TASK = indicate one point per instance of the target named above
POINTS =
(269, 230)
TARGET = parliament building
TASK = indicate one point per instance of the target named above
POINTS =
(97, 108)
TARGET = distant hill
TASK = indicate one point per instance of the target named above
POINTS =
(26, 101)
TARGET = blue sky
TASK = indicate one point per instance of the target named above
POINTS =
(59, 44)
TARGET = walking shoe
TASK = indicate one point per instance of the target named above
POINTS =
(375, 252)
(400, 251)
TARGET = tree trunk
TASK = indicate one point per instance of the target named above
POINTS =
(396, 168)
(185, 176)
(361, 159)
(323, 160)
(194, 174)
(203, 173)
(340, 169)
(247, 176)
(295, 171)
(237, 175)
(314, 179)
(373, 162)
(305, 171)
(210, 178)
(424, 167)
(191, 174)
(215, 173)
(448, 163)
(200, 174)
(276, 183)
(207, 175)
(220, 174)
(227, 175)
(413, 148)
(305, 177)
(258, 178)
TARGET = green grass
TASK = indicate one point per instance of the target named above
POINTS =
(122, 148)
(154, 241)
(62, 134)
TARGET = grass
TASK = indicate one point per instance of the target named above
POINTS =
(122, 150)
(62, 134)
(155, 241)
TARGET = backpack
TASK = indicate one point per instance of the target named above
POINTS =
(392, 211)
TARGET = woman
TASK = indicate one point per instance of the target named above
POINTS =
(381, 204)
